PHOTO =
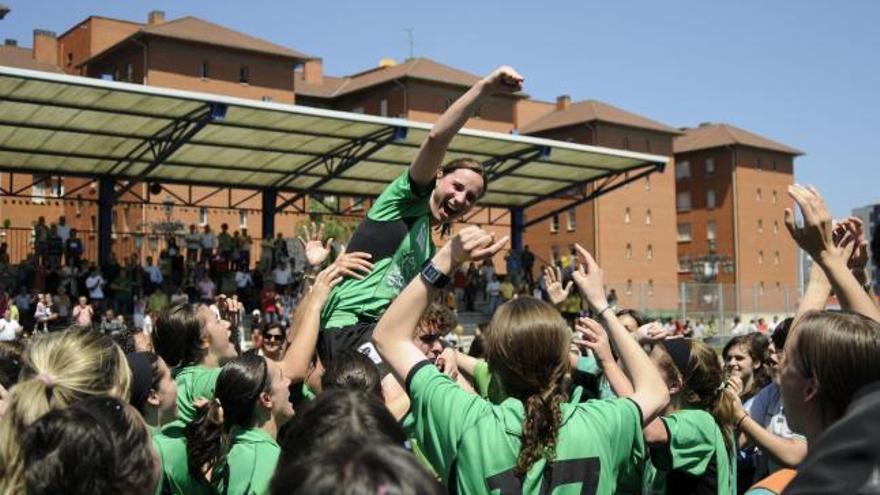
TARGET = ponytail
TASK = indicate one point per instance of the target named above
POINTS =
(541, 426)
(206, 440)
(706, 388)
(724, 412)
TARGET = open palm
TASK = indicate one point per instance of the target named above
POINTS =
(555, 289)
(316, 251)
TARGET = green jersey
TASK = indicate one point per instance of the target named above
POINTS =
(193, 382)
(250, 463)
(474, 444)
(590, 366)
(170, 444)
(397, 233)
(696, 459)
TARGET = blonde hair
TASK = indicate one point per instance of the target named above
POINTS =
(527, 350)
(58, 370)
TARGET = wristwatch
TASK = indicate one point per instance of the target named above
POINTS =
(433, 276)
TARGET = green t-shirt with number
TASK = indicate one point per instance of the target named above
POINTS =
(695, 460)
(474, 444)
(397, 233)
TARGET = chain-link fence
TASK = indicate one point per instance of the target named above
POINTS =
(716, 305)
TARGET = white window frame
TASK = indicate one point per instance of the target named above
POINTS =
(682, 170)
(684, 232)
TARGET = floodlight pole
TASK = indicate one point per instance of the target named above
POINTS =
(106, 200)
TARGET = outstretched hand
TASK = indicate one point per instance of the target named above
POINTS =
(816, 235)
(504, 80)
(589, 334)
(474, 244)
(316, 251)
(590, 280)
(356, 264)
(553, 279)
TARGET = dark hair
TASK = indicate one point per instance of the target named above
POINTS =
(758, 347)
(177, 336)
(354, 468)
(145, 376)
(477, 348)
(437, 316)
(265, 327)
(334, 417)
(352, 370)
(10, 363)
(780, 334)
(97, 445)
(235, 397)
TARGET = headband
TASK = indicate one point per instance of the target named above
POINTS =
(680, 352)
(141, 378)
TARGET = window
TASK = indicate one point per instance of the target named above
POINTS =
(69, 58)
(244, 74)
(554, 223)
(628, 252)
(129, 73)
(758, 194)
(710, 166)
(684, 264)
(648, 217)
(760, 257)
(383, 107)
(682, 170)
(242, 219)
(45, 186)
(203, 70)
(684, 232)
(683, 201)
(775, 197)
(266, 98)
(710, 199)
(711, 230)
(650, 252)
(203, 216)
(775, 226)
(626, 215)
(629, 286)
(776, 258)
(760, 226)
(571, 220)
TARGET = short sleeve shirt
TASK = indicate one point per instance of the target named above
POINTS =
(170, 444)
(695, 460)
(397, 233)
(251, 462)
(766, 409)
(474, 444)
(193, 382)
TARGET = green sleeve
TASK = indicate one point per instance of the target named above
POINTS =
(588, 365)
(442, 411)
(482, 378)
(402, 198)
(692, 443)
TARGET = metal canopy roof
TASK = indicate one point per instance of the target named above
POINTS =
(66, 125)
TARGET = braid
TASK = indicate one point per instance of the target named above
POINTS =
(542, 422)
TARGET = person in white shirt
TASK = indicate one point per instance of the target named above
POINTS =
(95, 284)
(739, 328)
(154, 272)
(281, 276)
(193, 243)
(9, 328)
(63, 230)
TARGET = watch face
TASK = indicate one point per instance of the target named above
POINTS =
(431, 273)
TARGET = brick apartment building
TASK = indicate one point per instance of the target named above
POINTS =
(731, 192)
(870, 216)
(632, 230)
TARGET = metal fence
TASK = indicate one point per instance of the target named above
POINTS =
(716, 303)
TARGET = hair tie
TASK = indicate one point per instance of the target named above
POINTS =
(46, 379)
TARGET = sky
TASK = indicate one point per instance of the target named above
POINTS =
(805, 73)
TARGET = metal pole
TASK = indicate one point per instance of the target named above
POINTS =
(683, 297)
(106, 200)
(720, 308)
(270, 197)
(517, 227)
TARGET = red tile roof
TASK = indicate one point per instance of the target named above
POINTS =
(23, 58)
(715, 135)
(590, 111)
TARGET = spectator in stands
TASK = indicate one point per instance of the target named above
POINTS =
(207, 289)
(282, 276)
(224, 242)
(73, 249)
(193, 241)
(10, 330)
(207, 239)
(54, 248)
(83, 313)
(157, 301)
(244, 249)
(493, 293)
(41, 240)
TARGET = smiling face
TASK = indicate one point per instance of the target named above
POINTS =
(740, 363)
(455, 193)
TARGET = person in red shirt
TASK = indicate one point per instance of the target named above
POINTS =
(268, 303)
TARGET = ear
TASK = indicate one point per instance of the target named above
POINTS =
(265, 400)
(676, 386)
(812, 390)
(439, 173)
(153, 398)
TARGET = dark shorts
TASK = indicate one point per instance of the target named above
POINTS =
(358, 337)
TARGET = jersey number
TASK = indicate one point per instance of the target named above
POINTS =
(584, 471)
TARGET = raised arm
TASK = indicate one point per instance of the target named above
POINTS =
(427, 162)
(594, 337)
(394, 332)
(650, 392)
(816, 237)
